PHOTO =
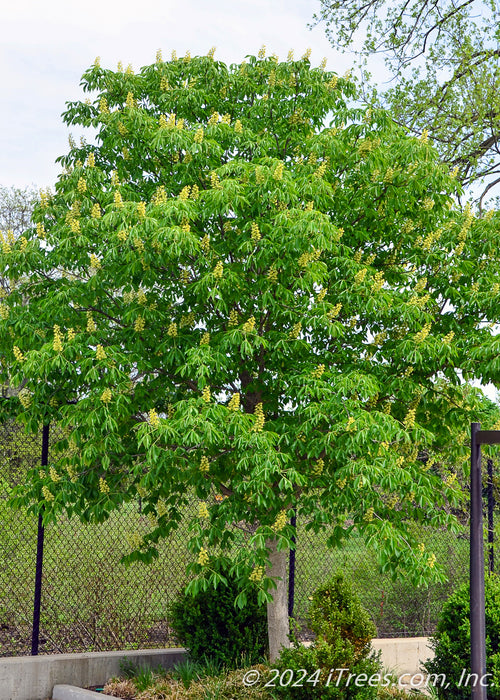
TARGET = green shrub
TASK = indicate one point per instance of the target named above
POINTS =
(451, 642)
(209, 625)
(343, 631)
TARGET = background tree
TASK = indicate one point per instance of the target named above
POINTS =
(443, 60)
(16, 208)
(254, 309)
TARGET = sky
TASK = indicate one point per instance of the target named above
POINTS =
(46, 46)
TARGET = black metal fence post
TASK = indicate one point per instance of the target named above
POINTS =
(477, 617)
(291, 567)
(491, 506)
(35, 635)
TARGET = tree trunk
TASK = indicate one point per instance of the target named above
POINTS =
(277, 611)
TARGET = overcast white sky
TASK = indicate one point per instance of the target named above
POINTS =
(46, 46)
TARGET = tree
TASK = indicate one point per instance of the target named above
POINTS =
(253, 308)
(443, 58)
(16, 207)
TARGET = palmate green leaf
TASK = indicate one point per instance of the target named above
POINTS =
(224, 297)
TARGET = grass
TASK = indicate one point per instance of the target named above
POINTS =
(194, 681)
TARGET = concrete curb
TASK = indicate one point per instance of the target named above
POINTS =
(34, 677)
(71, 692)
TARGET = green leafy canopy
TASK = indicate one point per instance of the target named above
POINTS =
(226, 298)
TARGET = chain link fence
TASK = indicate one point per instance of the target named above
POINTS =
(92, 602)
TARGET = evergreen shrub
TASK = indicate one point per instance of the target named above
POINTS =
(344, 631)
(209, 625)
(451, 643)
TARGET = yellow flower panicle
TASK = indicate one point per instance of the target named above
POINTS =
(100, 353)
(204, 464)
(431, 561)
(140, 324)
(378, 282)
(57, 342)
(318, 467)
(318, 371)
(47, 494)
(203, 511)
(103, 486)
(184, 193)
(256, 235)
(141, 210)
(334, 311)
(18, 354)
(234, 403)
(117, 198)
(360, 276)
(238, 127)
(96, 211)
(249, 326)
(448, 337)
(172, 330)
(233, 318)
(103, 106)
(106, 396)
(81, 185)
(409, 420)
(278, 171)
(368, 516)
(205, 394)
(198, 137)
(218, 270)
(280, 521)
(135, 540)
(259, 418)
(350, 425)
(295, 332)
(91, 327)
(205, 338)
(153, 418)
(272, 275)
(25, 398)
(205, 243)
(215, 181)
(203, 557)
(54, 475)
(422, 334)
(95, 263)
(40, 230)
(257, 574)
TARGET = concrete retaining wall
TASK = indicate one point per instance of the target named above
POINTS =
(33, 677)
